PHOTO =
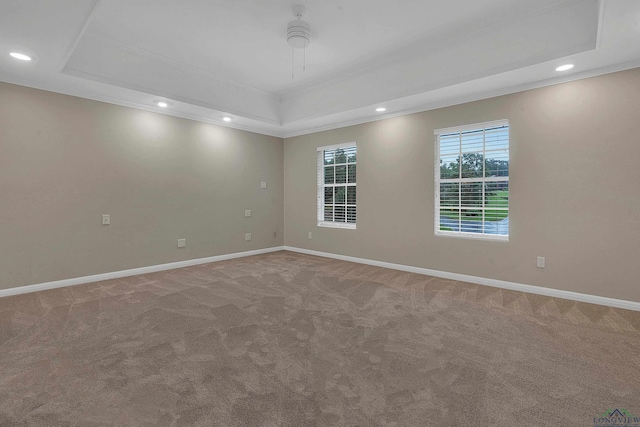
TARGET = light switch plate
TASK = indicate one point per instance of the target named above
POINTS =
(247, 236)
(182, 243)
(247, 213)
(263, 184)
(106, 219)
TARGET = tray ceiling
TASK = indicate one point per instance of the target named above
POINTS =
(216, 58)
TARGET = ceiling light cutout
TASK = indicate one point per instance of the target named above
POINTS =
(162, 104)
(298, 37)
(564, 67)
(381, 109)
(226, 119)
(20, 56)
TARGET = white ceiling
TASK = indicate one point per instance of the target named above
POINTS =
(213, 58)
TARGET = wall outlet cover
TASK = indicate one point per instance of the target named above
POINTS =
(247, 236)
(182, 243)
(106, 219)
(247, 213)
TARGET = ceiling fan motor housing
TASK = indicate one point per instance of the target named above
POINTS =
(298, 34)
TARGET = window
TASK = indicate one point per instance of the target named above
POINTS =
(337, 185)
(472, 181)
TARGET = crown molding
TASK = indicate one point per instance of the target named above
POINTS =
(418, 107)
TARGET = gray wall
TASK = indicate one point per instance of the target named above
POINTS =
(65, 161)
(575, 189)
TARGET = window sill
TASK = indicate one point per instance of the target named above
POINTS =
(474, 236)
(329, 224)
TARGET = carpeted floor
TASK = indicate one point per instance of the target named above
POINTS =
(285, 339)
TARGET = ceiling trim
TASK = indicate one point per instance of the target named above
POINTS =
(256, 127)
(470, 98)
(79, 36)
(183, 115)
(601, 12)
(169, 96)
(417, 90)
(282, 132)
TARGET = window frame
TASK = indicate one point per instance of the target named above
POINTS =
(437, 180)
(321, 186)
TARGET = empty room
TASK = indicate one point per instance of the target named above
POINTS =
(319, 213)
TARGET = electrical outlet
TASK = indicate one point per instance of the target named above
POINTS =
(540, 262)
(310, 236)
(106, 219)
(247, 213)
(182, 243)
(247, 236)
(263, 184)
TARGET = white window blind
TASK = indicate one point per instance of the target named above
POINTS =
(472, 181)
(337, 185)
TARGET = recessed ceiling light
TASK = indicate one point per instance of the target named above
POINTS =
(162, 104)
(564, 67)
(20, 56)
(381, 109)
(226, 119)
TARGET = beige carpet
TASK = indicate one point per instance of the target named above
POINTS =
(285, 339)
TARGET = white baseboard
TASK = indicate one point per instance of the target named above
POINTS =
(550, 292)
(132, 272)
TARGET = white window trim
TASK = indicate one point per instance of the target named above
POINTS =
(329, 224)
(336, 146)
(459, 234)
(475, 126)
(474, 236)
(320, 188)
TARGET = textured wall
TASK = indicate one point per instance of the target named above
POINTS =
(65, 161)
(575, 189)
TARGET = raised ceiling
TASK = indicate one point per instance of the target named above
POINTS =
(216, 58)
